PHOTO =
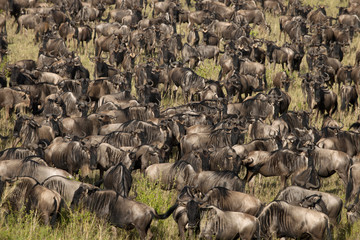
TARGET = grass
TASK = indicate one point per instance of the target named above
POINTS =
(85, 225)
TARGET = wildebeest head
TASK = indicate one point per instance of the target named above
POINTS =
(82, 192)
(314, 202)
(353, 213)
(193, 214)
(187, 199)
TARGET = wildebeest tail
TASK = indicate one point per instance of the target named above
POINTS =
(167, 214)
(94, 36)
(55, 213)
(328, 229)
(18, 27)
(343, 103)
(258, 229)
(265, 82)
(349, 187)
(262, 206)
(335, 107)
(220, 73)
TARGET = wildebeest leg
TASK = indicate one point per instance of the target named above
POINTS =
(343, 175)
(144, 233)
(45, 218)
(16, 142)
(181, 228)
(317, 114)
(252, 186)
(249, 176)
(284, 181)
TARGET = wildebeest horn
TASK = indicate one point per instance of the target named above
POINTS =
(150, 82)
(166, 147)
(33, 123)
(189, 192)
(43, 144)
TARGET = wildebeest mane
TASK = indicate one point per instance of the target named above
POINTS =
(78, 155)
(175, 170)
(220, 138)
(17, 193)
(16, 153)
(231, 179)
(54, 183)
(121, 138)
(115, 156)
(100, 202)
(217, 223)
(141, 113)
(273, 212)
(28, 167)
(292, 161)
(220, 192)
(151, 131)
(121, 180)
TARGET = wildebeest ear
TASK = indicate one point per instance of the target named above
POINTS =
(91, 191)
(132, 155)
(137, 131)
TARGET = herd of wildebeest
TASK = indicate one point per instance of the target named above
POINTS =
(67, 125)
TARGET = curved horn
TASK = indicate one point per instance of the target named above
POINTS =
(166, 148)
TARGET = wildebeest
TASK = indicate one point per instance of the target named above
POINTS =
(37, 170)
(180, 174)
(29, 21)
(353, 186)
(331, 205)
(349, 96)
(235, 201)
(284, 220)
(3, 46)
(107, 156)
(238, 84)
(258, 106)
(346, 141)
(81, 126)
(187, 214)
(323, 99)
(327, 162)
(279, 163)
(83, 34)
(270, 145)
(282, 80)
(54, 46)
(146, 155)
(118, 178)
(64, 186)
(281, 101)
(106, 44)
(170, 175)
(30, 132)
(16, 153)
(228, 225)
(256, 17)
(26, 191)
(68, 155)
(119, 211)
(11, 99)
(217, 138)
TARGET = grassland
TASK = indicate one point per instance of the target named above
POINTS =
(84, 225)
